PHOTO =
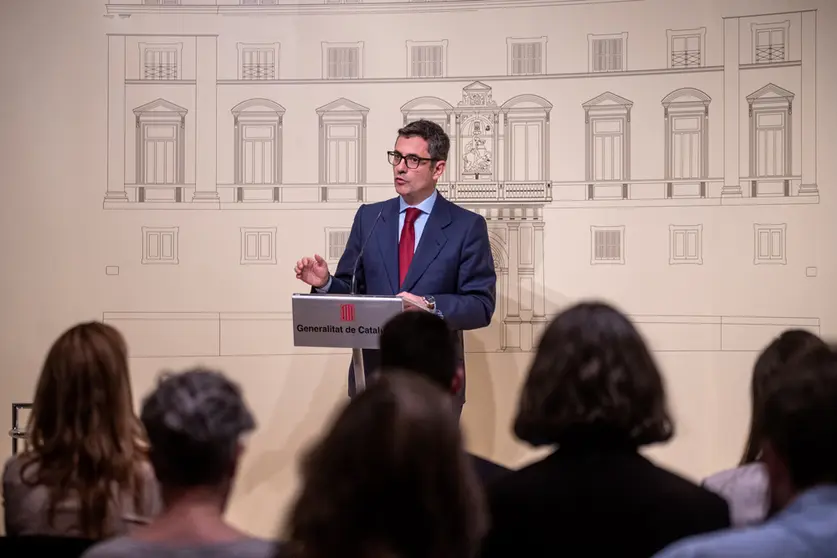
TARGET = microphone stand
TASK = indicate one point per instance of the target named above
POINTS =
(358, 367)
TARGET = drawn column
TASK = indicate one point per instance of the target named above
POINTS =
(512, 319)
(116, 121)
(206, 123)
(809, 105)
(732, 102)
(539, 308)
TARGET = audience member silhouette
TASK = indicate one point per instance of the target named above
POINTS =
(594, 392)
(388, 480)
(195, 421)
(84, 471)
(745, 487)
(798, 445)
(423, 343)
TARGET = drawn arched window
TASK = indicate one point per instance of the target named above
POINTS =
(258, 141)
(527, 138)
(160, 147)
(607, 120)
(434, 109)
(686, 115)
(342, 142)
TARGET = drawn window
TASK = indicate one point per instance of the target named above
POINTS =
(159, 245)
(160, 61)
(258, 2)
(608, 245)
(258, 61)
(258, 142)
(343, 1)
(770, 244)
(427, 59)
(161, 2)
(342, 60)
(770, 42)
(526, 57)
(336, 240)
(608, 53)
(685, 244)
(258, 245)
(685, 47)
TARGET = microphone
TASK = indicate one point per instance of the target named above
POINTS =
(360, 254)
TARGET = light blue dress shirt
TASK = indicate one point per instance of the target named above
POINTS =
(805, 528)
(425, 207)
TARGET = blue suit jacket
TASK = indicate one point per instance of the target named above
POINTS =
(452, 263)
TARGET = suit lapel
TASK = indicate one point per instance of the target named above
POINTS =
(387, 239)
(432, 240)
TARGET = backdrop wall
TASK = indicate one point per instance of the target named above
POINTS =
(165, 163)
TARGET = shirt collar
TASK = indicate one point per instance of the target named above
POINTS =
(426, 206)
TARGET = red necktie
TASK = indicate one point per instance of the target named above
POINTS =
(407, 244)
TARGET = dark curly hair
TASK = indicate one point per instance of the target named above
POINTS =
(194, 422)
(593, 378)
(389, 478)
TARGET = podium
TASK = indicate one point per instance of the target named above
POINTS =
(343, 321)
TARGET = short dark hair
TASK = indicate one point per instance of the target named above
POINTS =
(194, 422)
(422, 343)
(593, 375)
(800, 418)
(790, 345)
(438, 142)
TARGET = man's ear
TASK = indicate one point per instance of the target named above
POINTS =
(440, 168)
(458, 379)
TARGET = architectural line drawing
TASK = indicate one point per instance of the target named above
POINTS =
(271, 138)
(607, 53)
(770, 244)
(686, 47)
(225, 334)
(685, 244)
(258, 246)
(164, 155)
(126, 8)
(607, 245)
(160, 245)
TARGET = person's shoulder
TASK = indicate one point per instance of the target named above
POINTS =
(766, 541)
(730, 479)
(117, 547)
(14, 465)
(459, 212)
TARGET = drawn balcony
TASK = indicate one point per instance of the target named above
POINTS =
(709, 191)
(509, 191)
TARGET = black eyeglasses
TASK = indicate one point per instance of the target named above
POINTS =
(412, 161)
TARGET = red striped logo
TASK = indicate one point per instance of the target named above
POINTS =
(347, 312)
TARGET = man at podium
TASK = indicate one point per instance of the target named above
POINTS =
(418, 245)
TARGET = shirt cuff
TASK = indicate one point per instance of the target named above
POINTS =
(324, 288)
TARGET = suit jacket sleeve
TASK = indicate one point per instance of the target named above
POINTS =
(341, 279)
(472, 306)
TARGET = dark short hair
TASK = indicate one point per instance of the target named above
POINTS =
(420, 342)
(194, 422)
(790, 345)
(593, 375)
(800, 418)
(438, 142)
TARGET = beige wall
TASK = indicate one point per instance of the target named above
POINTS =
(134, 200)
